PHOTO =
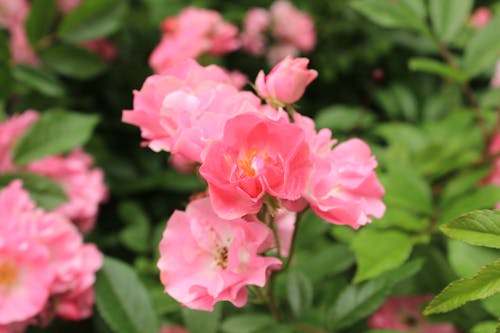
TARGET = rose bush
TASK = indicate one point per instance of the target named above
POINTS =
(228, 167)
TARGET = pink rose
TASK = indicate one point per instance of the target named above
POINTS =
(292, 26)
(186, 108)
(26, 273)
(13, 13)
(280, 51)
(286, 82)
(193, 32)
(255, 156)
(205, 259)
(83, 185)
(480, 17)
(256, 22)
(403, 313)
(20, 49)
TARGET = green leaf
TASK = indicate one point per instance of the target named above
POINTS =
(73, 61)
(400, 218)
(485, 327)
(56, 132)
(476, 256)
(92, 19)
(247, 323)
(358, 301)
(45, 192)
(407, 189)
(462, 184)
(378, 251)
(492, 305)
(122, 300)
(478, 228)
(343, 118)
(38, 79)
(448, 17)
(202, 321)
(481, 51)
(299, 291)
(40, 19)
(432, 66)
(391, 14)
(484, 284)
(135, 235)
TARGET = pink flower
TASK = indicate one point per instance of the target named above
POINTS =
(495, 80)
(25, 271)
(42, 256)
(66, 6)
(343, 188)
(11, 130)
(83, 185)
(105, 48)
(286, 82)
(293, 26)
(403, 313)
(75, 305)
(186, 108)
(20, 48)
(17, 327)
(13, 13)
(256, 22)
(280, 51)
(480, 17)
(237, 78)
(193, 32)
(205, 259)
(173, 329)
(255, 156)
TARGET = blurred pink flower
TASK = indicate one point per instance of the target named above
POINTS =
(280, 51)
(83, 185)
(186, 107)
(480, 17)
(292, 26)
(13, 13)
(11, 130)
(285, 225)
(26, 273)
(205, 259)
(237, 78)
(193, 32)
(75, 305)
(253, 39)
(43, 255)
(105, 48)
(287, 81)
(66, 6)
(20, 49)
(403, 313)
(255, 156)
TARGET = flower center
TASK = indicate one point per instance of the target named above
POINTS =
(249, 163)
(221, 257)
(8, 274)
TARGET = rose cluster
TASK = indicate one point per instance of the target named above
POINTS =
(46, 269)
(195, 32)
(262, 163)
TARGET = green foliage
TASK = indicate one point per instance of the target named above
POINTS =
(202, 321)
(300, 292)
(484, 284)
(122, 300)
(73, 61)
(40, 20)
(481, 50)
(57, 131)
(478, 228)
(448, 17)
(39, 80)
(247, 323)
